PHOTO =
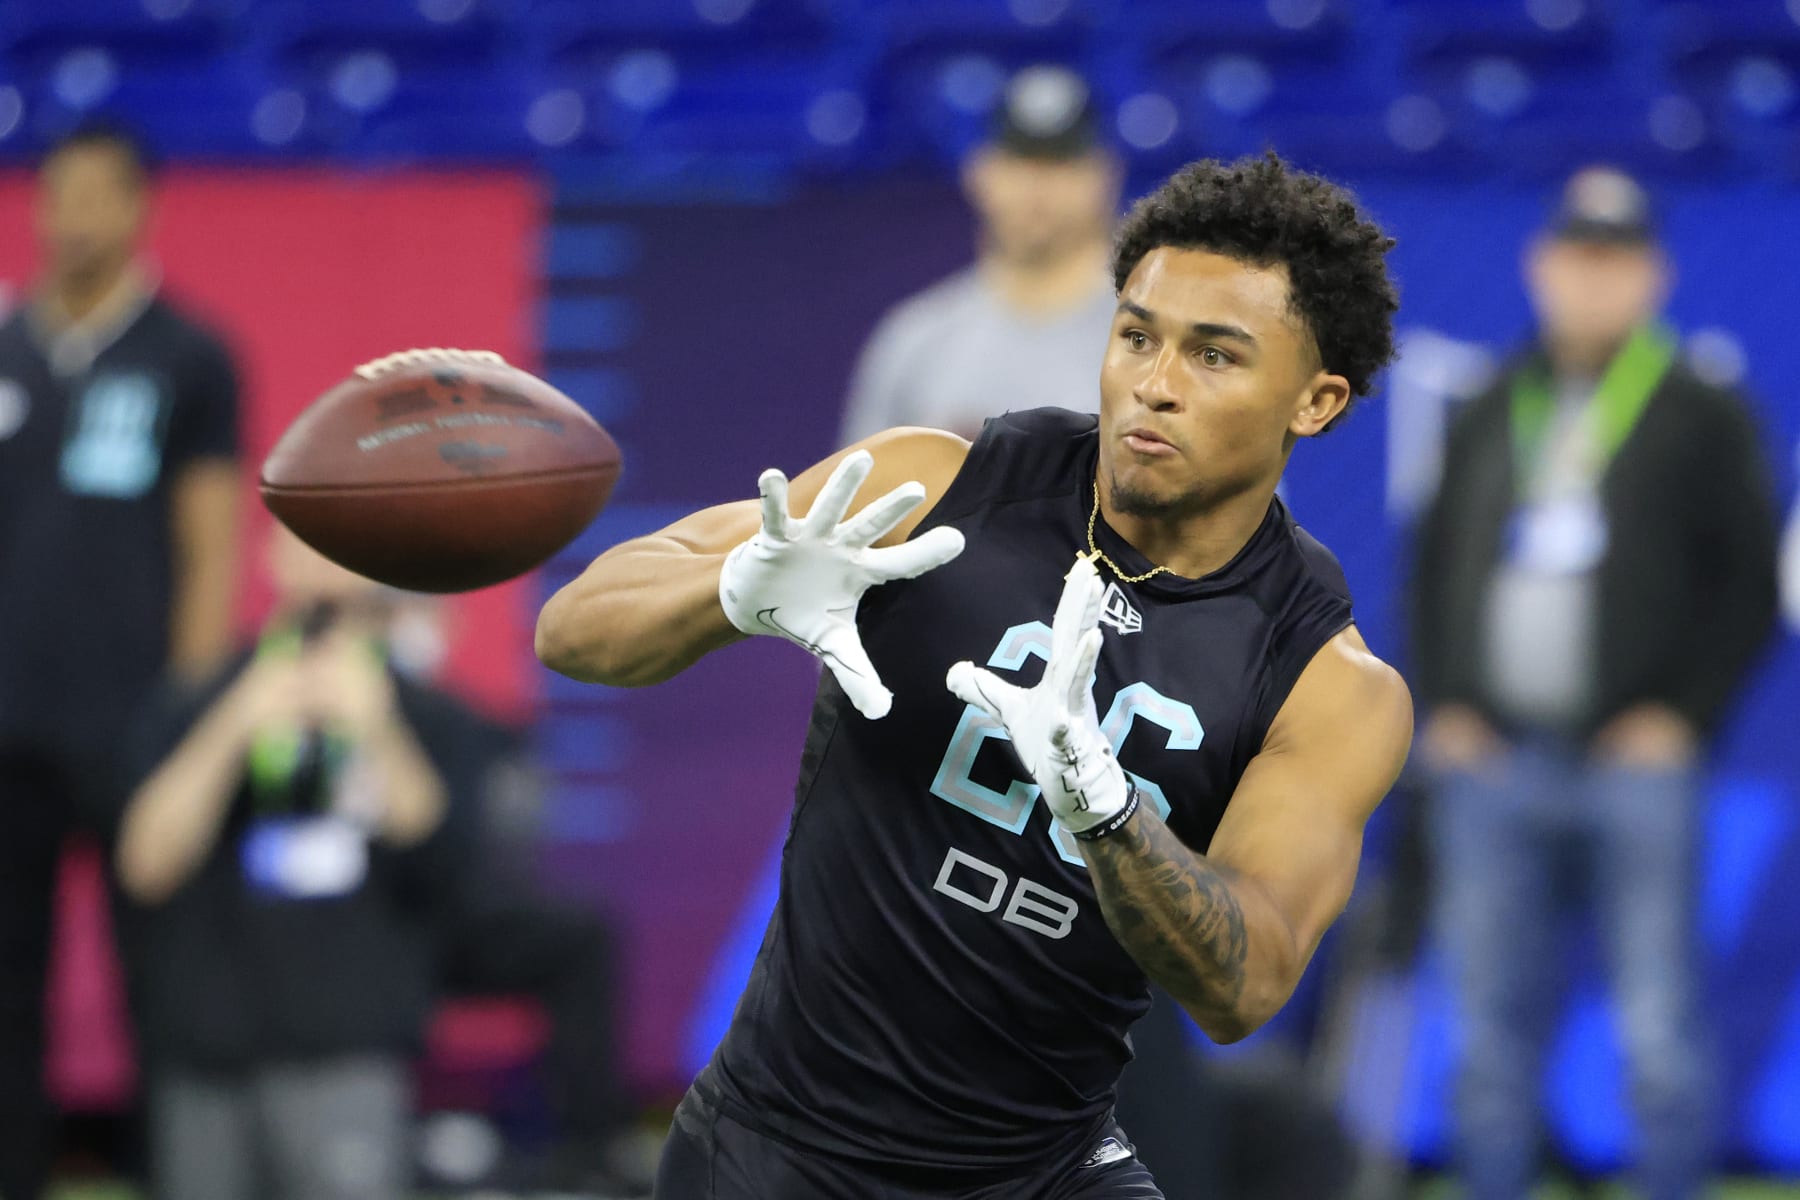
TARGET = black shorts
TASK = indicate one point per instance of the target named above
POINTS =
(710, 1156)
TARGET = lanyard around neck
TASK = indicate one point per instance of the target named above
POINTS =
(275, 750)
(1617, 405)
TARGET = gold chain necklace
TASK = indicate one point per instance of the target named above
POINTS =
(1095, 552)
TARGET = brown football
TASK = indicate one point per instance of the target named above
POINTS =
(440, 471)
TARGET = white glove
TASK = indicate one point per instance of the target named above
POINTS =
(1053, 726)
(802, 579)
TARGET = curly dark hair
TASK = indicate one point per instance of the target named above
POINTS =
(1262, 211)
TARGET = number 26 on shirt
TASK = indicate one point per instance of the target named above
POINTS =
(1011, 809)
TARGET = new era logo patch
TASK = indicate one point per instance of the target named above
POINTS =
(1110, 1150)
(1116, 611)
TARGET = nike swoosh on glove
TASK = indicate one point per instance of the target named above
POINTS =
(801, 579)
(1053, 726)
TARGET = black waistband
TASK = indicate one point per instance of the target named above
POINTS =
(706, 1099)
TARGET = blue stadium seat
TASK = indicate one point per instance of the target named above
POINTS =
(478, 120)
(935, 103)
(855, 84)
(961, 24)
(403, 112)
(1172, 32)
(222, 128)
(940, 64)
(572, 32)
(139, 60)
(184, 106)
(791, 106)
(1232, 85)
(1667, 135)
(704, 76)
(422, 33)
(36, 29)
(1327, 118)
(1735, 52)
(721, 120)
(1395, 137)
(1500, 90)
(1555, 32)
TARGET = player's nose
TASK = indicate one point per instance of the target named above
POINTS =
(1156, 389)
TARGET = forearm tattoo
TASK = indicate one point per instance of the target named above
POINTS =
(1174, 913)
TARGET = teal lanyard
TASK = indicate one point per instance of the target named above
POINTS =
(1618, 403)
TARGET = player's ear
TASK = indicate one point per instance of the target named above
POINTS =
(1326, 396)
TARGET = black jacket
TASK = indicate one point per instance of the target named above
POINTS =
(1687, 588)
(224, 977)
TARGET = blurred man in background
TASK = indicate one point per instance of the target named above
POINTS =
(297, 831)
(1026, 324)
(1594, 579)
(118, 507)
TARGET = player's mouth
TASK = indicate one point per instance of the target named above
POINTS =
(1148, 443)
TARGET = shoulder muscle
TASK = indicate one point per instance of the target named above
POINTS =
(1351, 708)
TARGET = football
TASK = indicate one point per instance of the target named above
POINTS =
(440, 471)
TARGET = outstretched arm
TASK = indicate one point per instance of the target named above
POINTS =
(1228, 932)
(649, 608)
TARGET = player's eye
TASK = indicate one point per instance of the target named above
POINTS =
(1137, 339)
(1212, 356)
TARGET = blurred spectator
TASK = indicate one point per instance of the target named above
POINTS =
(299, 828)
(118, 509)
(1026, 325)
(1594, 579)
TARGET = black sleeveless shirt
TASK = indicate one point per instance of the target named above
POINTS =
(937, 990)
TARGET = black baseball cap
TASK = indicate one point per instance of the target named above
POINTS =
(1046, 112)
(1605, 205)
